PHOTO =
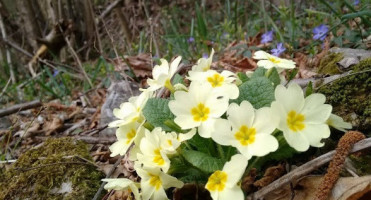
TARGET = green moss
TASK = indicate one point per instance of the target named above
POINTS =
(362, 164)
(39, 170)
(351, 98)
(328, 64)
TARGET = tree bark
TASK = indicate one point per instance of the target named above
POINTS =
(28, 22)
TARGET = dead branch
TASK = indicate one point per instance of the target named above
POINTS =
(305, 169)
(8, 57)
(20, 107)
(74, 54)
(108, 10)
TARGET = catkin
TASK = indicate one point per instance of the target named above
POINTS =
(342, 151)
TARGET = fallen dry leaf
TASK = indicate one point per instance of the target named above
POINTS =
(141, 64)
(271, 174)
(346, 188)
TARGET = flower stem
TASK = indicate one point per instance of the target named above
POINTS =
(169, 86)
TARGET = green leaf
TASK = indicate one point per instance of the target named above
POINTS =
(309, 89)
(292, 74)
(201, 26)
(205, 145)
(202, 161)
(185, 172)
(242, 76)
(178, 79)
(157, 112)
(274, 77)
(259, 72)
(258, 91)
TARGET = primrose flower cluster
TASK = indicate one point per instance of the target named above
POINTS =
(224, 109)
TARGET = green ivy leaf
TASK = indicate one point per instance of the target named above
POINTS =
(258, 91)
(157, 112)
(202, 161)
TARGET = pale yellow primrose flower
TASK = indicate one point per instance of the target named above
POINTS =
(302, 121)
(154, 182)
(131, 111)
(251, 130)
(152, 153)
(125, 137)
(122, 184)
(203, 64)
(171, 141)
(219, 81)
(162, 74)
(268, 61)
(199, 107)
(338, 123)
(222, 185)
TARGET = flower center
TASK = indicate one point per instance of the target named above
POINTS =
(200, 112)
(130, 135)
(274, 60)
(216, 80)
(170, 142)
(155, 181)
(158, 157)
(295, 121)
(245, 135)
(217, 181)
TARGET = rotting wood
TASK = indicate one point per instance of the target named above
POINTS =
(20, 107)
(305, 169)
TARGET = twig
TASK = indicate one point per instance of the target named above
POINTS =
(5, 88)
(87, 139)
(76, 58)
(77, 125)
(305, 169)
(8, 57)
(7, 161)
(108, 175)
(117, 56)
(20, 107)
(51, 164)
(108, 10)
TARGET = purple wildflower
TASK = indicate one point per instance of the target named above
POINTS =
(278, 50)
(320, 32)
(267, 37)
(356, 2)
(55, 73)
(205, 55)
(191, 39)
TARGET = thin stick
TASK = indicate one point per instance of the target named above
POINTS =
(76, 58)
(108, 175)
(20, 107)
(117, 56)
(5, 88)
(305, 169)
(8, 57)
(108, 9)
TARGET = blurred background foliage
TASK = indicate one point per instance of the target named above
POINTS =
(56, 49)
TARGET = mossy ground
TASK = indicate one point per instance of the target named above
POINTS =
(328, 64)
(350, 96)
(39, 170)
